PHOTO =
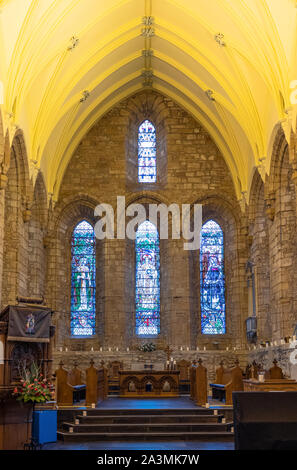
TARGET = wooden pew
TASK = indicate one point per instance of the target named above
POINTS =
(66, 393)
(198, 382)
(184, 378)
(275, 372)
(96, 384)
(227, 381)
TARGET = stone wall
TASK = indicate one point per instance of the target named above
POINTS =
(35, 254)
(101, 169)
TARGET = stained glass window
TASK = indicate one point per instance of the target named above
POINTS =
(147, 168)
(83, 280)
(212, 279)
(147, 280)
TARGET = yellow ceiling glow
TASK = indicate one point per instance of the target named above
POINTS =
(232, 65)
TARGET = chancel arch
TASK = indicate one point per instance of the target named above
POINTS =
(76, 268)
(220, 219)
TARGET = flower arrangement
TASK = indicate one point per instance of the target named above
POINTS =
(33, 388)
(147, 347)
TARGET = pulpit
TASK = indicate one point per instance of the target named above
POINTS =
(25, 337)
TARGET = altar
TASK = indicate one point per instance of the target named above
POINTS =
(144, 383)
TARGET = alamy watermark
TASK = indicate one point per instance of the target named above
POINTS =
(186, 222)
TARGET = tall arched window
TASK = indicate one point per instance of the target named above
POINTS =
(83, 280)
(147, 295)
(212, 279)
(147, 167)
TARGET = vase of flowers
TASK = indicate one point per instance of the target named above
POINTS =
(33, 388)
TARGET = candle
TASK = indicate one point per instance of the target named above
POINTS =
(197, 349)
(206, 405)
(204, 348)
(127, 349)
(77, 421)
(101, 349)
(70, 429)
(66, 349)
(227, 348)
(232, 429)
(84, 413)
(188, 348)
(109, 349)
(93, 405)
(117, 349)
(223, 420)
(61, 349)
(92, 349)
(181, 348)
(215, 412)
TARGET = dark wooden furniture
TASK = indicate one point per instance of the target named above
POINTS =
(149, 384)
(184, 379)
(96, 384)
(269, 385)
(264, 420)
(198, 381)
(66, 393)
(15, 421)
(227, 381)
(22, 351)
(274, 372)
(113, 369)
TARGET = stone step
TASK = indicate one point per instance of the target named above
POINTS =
(148, 411)
(116, 419)
(141, 428)
(147, 436)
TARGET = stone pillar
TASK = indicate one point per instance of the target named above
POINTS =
(3, 182)
(179, 313)
(114, 310)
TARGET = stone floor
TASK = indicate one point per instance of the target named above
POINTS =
(145, 403)
(119, 445)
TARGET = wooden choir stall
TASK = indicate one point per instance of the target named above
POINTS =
(227, 381)
(271, 380)
(198, 383)
(71, 389)
(25, 337)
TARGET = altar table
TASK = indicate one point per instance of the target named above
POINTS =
(144, 383)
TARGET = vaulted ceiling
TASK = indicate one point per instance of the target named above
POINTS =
(64, 63)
